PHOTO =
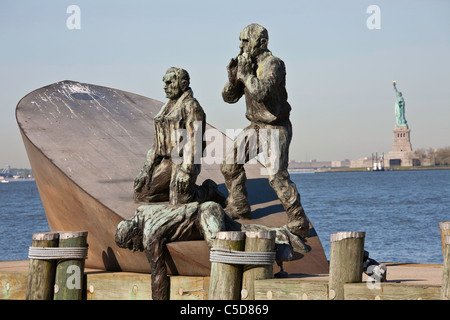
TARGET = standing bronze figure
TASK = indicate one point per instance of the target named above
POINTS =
(261, 77)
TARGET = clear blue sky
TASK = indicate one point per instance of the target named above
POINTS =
(339, 72)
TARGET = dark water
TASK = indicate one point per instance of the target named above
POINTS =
(400, 212)
(21, 215)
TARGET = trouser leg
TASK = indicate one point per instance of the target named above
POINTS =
(232, 168)
(159, 281)
(276, 154)
(156, 182)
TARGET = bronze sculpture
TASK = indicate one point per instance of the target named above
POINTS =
(153, 226)
(170, 172)
(261, 77)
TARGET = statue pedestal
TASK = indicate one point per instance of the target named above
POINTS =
(402, 153)
(402, 141)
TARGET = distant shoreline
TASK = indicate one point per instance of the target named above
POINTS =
(19, 179)
(327, 170)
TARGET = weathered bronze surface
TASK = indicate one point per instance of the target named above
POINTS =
(163, 178)
(154, 226)
(170, 173)
(261, 77)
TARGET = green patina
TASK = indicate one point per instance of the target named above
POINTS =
(400, 120)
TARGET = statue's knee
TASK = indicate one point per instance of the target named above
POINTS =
(211, 209)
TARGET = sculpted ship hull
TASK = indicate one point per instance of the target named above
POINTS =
(87, 143)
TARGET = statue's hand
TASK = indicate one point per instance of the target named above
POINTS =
(232, 70)
(145, 174)
(140, 180)
(244, 68)
(138, 183)
(183, 178)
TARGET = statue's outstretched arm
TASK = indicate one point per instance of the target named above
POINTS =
(395, 86)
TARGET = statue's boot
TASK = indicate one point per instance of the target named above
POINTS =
(297, 222)
(238, 209)
(287, 192)
(237, 204)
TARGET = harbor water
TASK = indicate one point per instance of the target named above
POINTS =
(400, 212)
(21, 215)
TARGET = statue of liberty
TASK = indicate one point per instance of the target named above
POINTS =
(400, 120)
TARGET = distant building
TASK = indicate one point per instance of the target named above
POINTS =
(402, 153)
(313, 164)
(341, 163)
(361, 163)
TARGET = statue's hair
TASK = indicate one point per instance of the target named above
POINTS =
(258, 31)
(181, 74)
(126, 230)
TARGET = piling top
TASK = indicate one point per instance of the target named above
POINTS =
(46, 236)
(338, 236)
(444, 225)
(261, 234)
(72, 234)
(229, 235)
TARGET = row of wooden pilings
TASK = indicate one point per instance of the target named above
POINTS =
(56, 267)
(230, 281)
(235, 281)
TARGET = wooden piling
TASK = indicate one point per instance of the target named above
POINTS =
(226, 279)
(256, 241)
(41, 273)
(445, 231)
(70, 271)
(445, 287)
(346, 261)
